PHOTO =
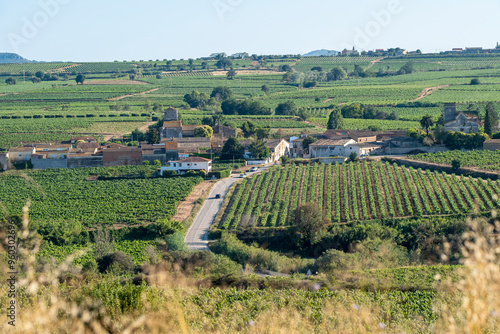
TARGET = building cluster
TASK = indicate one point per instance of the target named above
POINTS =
(472, 50)
(86, 152)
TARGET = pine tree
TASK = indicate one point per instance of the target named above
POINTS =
(335, 120)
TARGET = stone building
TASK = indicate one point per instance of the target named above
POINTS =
(459, 122)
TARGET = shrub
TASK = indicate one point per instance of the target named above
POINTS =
(117, 261)
(175, 242)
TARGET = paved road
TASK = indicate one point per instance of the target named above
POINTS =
(197, 236)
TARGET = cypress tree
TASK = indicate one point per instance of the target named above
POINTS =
(487, 123)
(335, 120)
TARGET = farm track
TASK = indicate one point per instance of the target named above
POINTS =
(373, 62)
(132, 95)
(428, 91)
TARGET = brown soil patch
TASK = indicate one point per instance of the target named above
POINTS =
(132, 95)
(327, 100)
(373, 62)
(428, 91)
(116, 82)
(245, 72)
(185, 207)
(61, 69)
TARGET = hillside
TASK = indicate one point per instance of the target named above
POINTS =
(322, 52)
(10, 58)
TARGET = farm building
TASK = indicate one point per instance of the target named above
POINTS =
(492, 145)
(189, 164)
(459, 122)
(325, 148)
(20, 154)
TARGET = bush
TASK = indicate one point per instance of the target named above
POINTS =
(175, 242)
(456, 164)
(475, 81)
(117, 262)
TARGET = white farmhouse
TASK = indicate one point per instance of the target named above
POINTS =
(192, 163)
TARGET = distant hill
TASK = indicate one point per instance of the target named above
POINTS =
(322, 52)
(9, 58)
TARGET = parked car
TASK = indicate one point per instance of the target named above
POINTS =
(217, 196)
(253, 169)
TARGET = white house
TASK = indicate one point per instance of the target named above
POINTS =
(193, 163)
(325, 148)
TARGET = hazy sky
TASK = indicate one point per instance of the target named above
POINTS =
(107, 30)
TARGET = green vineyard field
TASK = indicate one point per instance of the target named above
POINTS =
(354, 192)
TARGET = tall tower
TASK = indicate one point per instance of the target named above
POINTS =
(450, 112)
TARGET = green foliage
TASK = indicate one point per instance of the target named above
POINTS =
(117, 262)
(308, 141)
(221, 93)
(258, 150)
(287, 108)
(335, 120)
(74, 200)
(232, 150)
(243, 254)
(166, 227)
(175, 242)
(309, 223)
(203, 131)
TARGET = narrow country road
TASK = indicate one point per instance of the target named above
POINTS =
(197, 235)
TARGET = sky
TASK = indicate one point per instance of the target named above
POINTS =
(108, 30)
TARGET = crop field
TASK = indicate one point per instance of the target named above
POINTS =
(364, 124)
(489, 160)
(354, 192)
(66, 195)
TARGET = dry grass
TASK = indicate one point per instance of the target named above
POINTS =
(51, 306)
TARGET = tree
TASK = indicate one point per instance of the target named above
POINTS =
(157, 107)
(263, 133)
(224, 63)
(407, 68)
(36, 80)
(487, 123)
(493, 115)
(426, 122)
(336, 74)
(308, 141)
(39, 74)
(232, 149)
(308, 221)
(353, 156)
(285, 68)
(287, 108)
(249, 129)
(197, 99)
(335, 120)
(456, 164)
(231, 74)
(203, 131)
(10, 81)
(265, 89)
(259, 150)
(475, 81)
(175, 242)
(354, 110)
(137, 135)
(221, 93)
(80, 79)
(153, 136)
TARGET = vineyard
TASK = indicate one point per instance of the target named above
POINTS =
(354, 192)
(66, 195)
(483, 159)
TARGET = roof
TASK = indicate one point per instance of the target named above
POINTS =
(190, 127)
(83, 138)
(172, 124)
(21, 149)
(272, 143)
(195, 159)
(54, 147)
(329, 142)
(87, 146)
(367, 145)
(171, 146)
(492, 141)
